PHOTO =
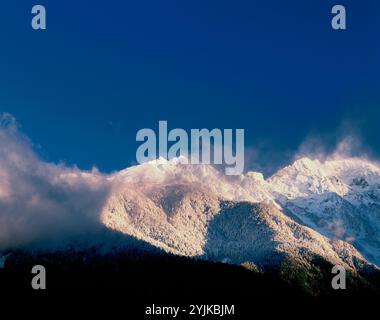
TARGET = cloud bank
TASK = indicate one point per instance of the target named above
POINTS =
(39, 200)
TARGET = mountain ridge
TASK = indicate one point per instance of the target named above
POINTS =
(339, 199)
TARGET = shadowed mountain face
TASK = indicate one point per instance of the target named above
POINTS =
(240, 234)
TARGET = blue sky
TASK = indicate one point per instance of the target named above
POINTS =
(103, 70)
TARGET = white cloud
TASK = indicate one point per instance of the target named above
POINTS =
(39, 200)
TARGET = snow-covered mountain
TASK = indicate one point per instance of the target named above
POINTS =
(339, 198)
(309, 209)
(297, 223)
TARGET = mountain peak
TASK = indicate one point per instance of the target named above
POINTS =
(306, 161)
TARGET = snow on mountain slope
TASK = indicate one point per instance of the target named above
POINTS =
(339, 198)
(173, 218)
(197, 211)
(186, 220)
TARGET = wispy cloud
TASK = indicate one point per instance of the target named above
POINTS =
(347, 142)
